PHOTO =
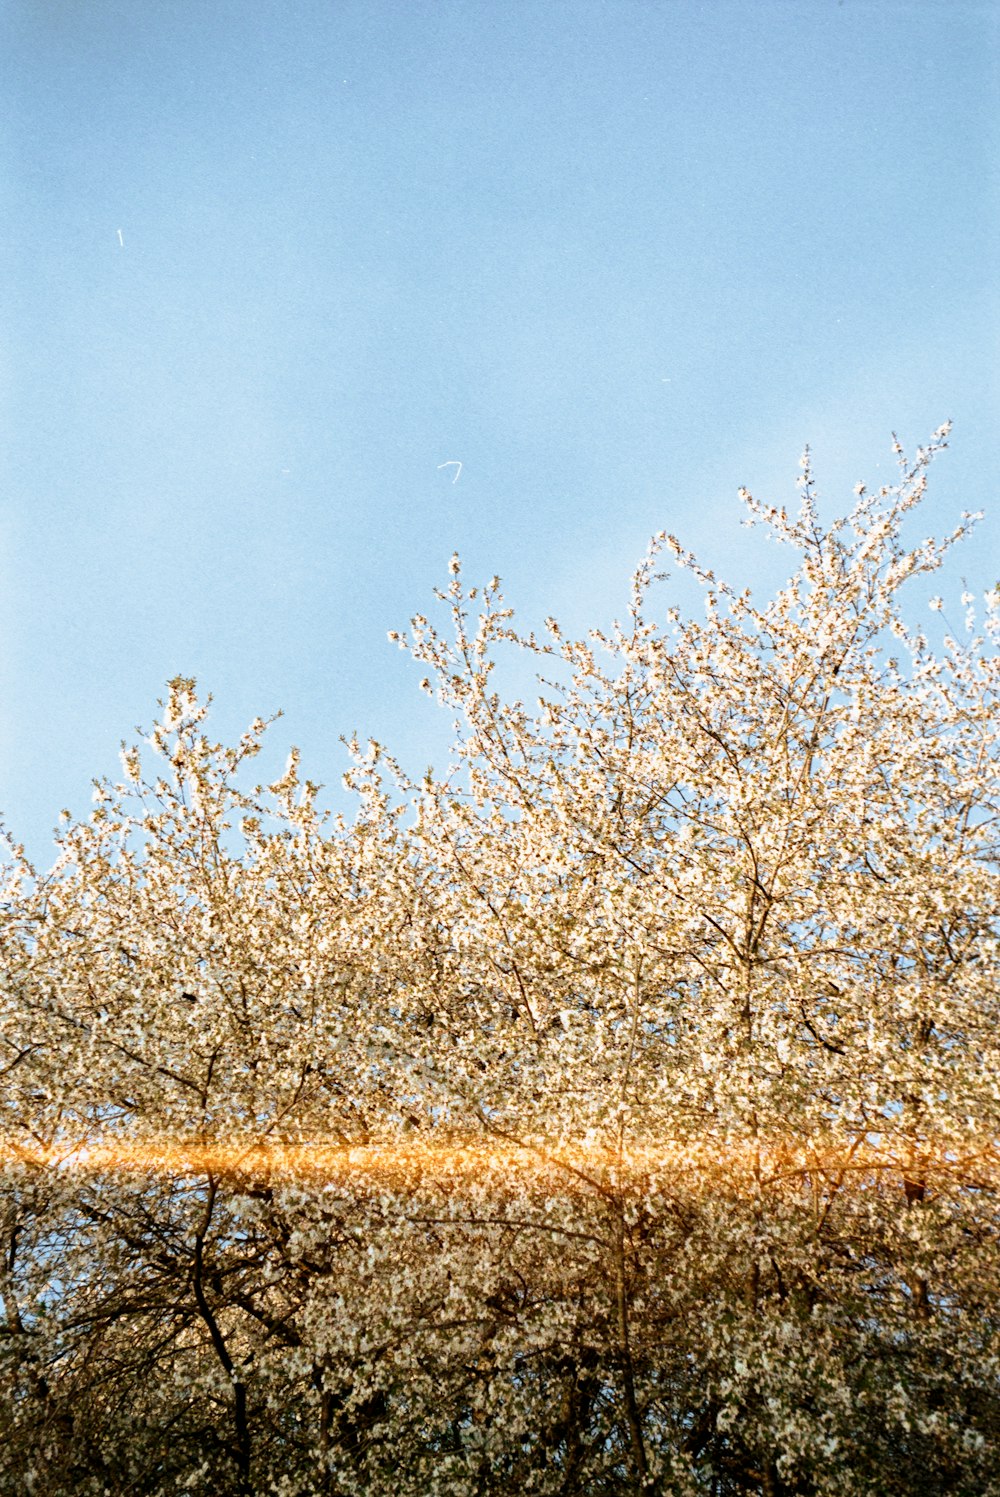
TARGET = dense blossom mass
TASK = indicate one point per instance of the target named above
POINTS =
(617, 1112)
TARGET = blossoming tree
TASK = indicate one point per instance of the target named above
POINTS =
(617, 1112)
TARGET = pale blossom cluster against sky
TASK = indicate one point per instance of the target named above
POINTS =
(274, 268)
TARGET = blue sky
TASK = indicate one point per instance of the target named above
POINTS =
(269, 264)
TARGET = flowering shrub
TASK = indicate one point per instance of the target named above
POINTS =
(616, 1113)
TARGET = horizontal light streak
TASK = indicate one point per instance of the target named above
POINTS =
(745, 1161)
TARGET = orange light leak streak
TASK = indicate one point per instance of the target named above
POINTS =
(715, 1164)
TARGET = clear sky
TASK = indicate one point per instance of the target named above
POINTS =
(268, 264)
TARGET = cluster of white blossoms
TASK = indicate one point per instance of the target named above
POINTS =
(617, 1112)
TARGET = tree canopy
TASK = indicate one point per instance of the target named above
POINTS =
(616, 1111)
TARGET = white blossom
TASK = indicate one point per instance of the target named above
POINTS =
(614, 1110)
